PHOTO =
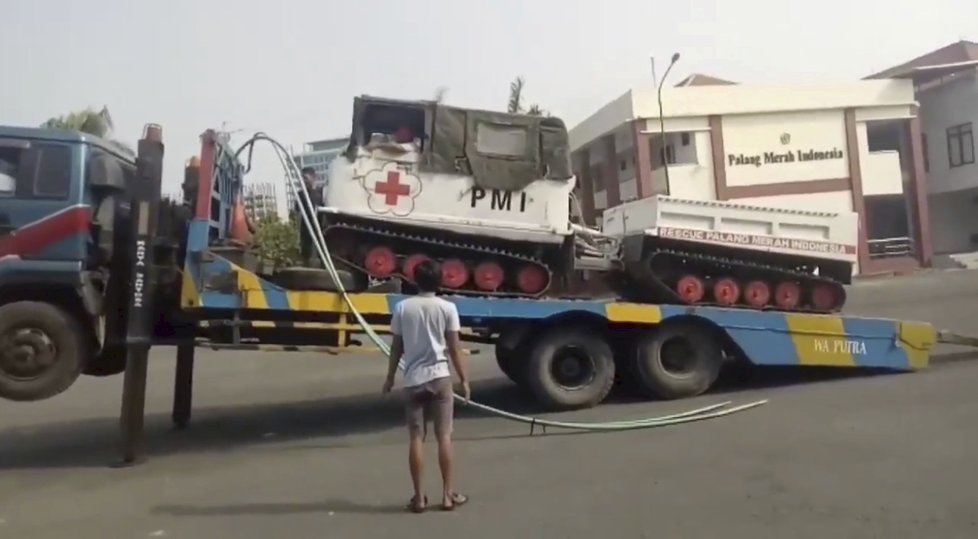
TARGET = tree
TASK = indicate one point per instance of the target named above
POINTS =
(515, 105)
(276, 241)
(91, 121)
(440, 94)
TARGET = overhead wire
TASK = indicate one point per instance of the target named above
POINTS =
(308, 213)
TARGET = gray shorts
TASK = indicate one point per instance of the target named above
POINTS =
(432, 400)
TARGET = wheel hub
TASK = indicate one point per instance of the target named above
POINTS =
(572, 368)
(26, 353)
(677, 357)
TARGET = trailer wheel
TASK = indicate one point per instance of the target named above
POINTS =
(676, 361)
(513, 362)
(41, 350)
(570, 368)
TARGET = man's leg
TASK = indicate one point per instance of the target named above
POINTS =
(444, 408)
(415, 421)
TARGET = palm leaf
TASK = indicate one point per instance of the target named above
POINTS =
(515, 105)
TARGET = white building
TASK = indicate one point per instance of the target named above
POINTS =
(320, 153)
(848, 147)
(946, 81)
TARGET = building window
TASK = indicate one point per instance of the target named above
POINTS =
(960, 145)
(685, 139)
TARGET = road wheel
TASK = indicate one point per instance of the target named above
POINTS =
(513, 362)
(570, 368)
(41, 348)
(109, 362)
(675, 361)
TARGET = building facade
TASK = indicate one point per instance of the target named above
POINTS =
(843, 147)
(946, 84)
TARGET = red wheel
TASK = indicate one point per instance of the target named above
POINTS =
(489, 276)
(380, 262)
(787, 295)
(825, 297)
(757, 293)
(726, 291)
(454, 273)
(691, 288)
(411, 263)
(531, 279)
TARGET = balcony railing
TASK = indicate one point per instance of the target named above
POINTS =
(891, 248)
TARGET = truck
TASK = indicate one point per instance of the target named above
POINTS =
(97, 267)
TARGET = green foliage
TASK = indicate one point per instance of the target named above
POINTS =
(440, 92)
(515, 103)
(277, 242)
(94, 122)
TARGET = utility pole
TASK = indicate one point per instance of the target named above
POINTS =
(662, 122)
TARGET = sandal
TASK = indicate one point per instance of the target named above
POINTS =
(416, 505)
(456, 500)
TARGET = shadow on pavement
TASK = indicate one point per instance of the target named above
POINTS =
(93, 443)
(271, 509)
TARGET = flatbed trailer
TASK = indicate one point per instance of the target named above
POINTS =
(570, 351)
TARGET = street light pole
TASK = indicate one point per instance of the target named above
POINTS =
(662, 122)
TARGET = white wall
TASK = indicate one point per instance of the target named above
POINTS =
(703, 101)
(881, 172)
(693, 181)
(755, 136)
(940, 108)
(691, 101)
(600, 200)
(838, 201)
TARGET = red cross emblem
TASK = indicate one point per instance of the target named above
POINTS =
(392, 189)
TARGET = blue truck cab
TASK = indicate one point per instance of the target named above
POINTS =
(62, 209)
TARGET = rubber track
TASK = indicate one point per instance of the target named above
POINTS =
(475, 249)
(777, 274)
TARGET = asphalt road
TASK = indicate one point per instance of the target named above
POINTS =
(302, 446)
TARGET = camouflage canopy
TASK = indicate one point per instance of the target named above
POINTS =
(500, 150)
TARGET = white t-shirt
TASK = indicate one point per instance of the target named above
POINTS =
(421, 321)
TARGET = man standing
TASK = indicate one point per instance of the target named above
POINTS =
(315, 189)
(425, 330)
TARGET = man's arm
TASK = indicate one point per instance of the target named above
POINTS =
(397, 350)
(455, 351)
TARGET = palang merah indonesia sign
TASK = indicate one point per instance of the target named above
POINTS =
(778, 158)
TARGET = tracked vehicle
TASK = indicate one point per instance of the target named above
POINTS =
(490, 196)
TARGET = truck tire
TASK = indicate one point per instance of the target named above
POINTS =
(570, 368)
(41, 348)
(513, 362)
(109, 362)
(676, 361)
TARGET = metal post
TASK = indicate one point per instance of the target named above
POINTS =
(140, 320)
(662, 123)
(183, 385)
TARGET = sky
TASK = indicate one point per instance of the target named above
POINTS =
(291, 68)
